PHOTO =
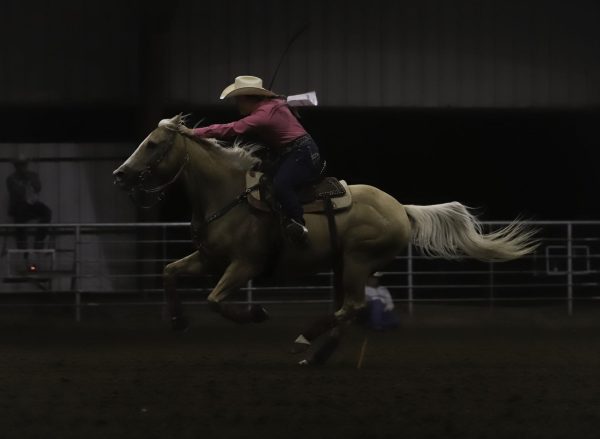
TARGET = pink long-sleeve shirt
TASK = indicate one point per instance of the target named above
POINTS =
(272, 122)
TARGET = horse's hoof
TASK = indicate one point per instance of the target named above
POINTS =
(301, 344)
(299, 348)
(259, 314)
(179, 324)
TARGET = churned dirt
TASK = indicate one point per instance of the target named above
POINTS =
(448, 372)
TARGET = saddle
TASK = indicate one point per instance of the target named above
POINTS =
(312, 196)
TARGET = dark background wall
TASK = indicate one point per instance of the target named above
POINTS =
(493, 103)
(422, 53)
(542, 164)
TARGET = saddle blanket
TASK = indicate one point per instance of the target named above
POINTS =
(312, 196)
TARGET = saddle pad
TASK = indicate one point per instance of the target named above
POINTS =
(337, 190)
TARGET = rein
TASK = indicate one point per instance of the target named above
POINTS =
(162, 187)
(238, 200)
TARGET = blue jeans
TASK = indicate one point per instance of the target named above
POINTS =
(297, 168)
(379, 318)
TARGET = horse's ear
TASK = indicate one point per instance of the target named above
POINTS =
(172, 123)
(183, 118)
(175, 123)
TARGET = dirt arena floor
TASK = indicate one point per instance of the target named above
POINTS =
(449, 372)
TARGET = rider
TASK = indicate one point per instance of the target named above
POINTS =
(267, 117)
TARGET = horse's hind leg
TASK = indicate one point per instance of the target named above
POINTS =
(316, 329)
(353, 287)
(326, 348)
(191, 264)
(356, 273)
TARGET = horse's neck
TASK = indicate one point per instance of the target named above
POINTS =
(211, 183)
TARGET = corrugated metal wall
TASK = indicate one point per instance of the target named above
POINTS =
(422, 53)
(395, 53)
(68, 51)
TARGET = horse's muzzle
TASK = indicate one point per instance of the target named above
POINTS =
(123, 178)
(118, 177)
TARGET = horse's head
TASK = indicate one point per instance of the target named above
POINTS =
(157, 161)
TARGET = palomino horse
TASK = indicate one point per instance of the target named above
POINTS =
(244, 243)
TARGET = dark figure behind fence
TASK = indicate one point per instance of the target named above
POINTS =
(24, 187)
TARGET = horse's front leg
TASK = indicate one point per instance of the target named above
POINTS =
(191, 264)
(237, 274)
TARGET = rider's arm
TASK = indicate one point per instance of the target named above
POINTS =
(233, 129)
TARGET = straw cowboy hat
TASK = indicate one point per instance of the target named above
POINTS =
(246, 85)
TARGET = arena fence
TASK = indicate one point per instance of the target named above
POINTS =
(89, 265)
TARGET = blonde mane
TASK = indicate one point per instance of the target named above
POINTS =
(238, 154)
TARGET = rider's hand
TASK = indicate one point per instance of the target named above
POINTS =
(186, 131)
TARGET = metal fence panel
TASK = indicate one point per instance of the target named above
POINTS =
(121, 263)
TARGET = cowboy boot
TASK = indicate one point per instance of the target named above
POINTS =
(295, 230)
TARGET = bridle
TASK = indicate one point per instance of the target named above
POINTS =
(150, 169)
(149, 172)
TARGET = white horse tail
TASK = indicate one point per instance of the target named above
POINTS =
(449, 230)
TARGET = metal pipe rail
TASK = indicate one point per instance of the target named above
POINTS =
(117, 260)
